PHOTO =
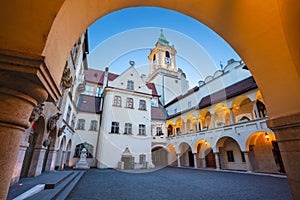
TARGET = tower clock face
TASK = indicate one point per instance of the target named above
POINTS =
(167, 60)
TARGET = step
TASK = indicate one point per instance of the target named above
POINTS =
(54, 193)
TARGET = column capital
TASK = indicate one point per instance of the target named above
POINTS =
(30, 67)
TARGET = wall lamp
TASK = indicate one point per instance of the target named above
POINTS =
(267, 136)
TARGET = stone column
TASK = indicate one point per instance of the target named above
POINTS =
(231, 116)
(202, 163)
(217, 160)
(248, 163)
(37, 160)
(178, 160)
(51, 159)
(195, 160)
(287, 131)
(25, 81)
(255, 110)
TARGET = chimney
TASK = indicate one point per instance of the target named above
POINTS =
(105, 80)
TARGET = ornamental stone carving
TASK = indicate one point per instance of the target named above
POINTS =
(36, 112)
(67, 79)
(52, 121)
(61, 130)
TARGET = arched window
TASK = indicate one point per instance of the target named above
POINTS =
(89, 148)
(167, 54)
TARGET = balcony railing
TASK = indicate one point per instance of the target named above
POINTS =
(253, 126)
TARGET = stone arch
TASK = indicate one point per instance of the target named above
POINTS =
(68, 152)
(242, 109)
(260, 105)
(191, 123)
(160, 155)
(61, 154)
(204, 119)
(33, 160)
(172, 155)
(170, 128)
(186, 155)
(230, 154)
(221, 115)
(180, 126)
(263, 152)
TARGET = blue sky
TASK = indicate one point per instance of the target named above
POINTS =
(129, 34)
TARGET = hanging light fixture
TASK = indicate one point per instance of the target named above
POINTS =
(267, 136)
(205, 142)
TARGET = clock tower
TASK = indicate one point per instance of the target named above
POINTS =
(169, 81)
(163, 55)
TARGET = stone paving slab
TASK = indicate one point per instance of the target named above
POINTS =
(178, 183)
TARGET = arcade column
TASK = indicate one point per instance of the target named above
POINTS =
(287, 131)
(24, 82)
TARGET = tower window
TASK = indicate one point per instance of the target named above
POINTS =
(154, 57)
(167, 54)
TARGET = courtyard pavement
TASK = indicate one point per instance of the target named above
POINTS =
(179, 183)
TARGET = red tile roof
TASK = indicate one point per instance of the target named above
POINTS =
(158, 113)
(88, 103)
(229, 92)
(152, 87)
(97, 76)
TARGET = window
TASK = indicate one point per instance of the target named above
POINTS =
(117, 101)
(154, 57)
(158, 131)
(98, 91)
(129, 103)
(89, 148)
(128, 128)
(167, 54)
(154, 102)
(142, 105)
(93, 125)
(142, 129)
(230, 156)
(89, 90)
(114, 127)
(80, 124)
(130, 85)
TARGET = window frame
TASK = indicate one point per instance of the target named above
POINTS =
(128, 129)
(230, 156)
(115, 127)
(80, 124)
(128, 103)
(142, 105)
(130, 85)
(142, 129)
(94, 125)
(116, 102)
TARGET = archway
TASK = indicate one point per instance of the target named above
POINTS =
(242, 109)
(191, 123)
(271, 37)
(221, 115)
(59, 164)
(205, 157)
(264, 155)
(170, 128)
(180, 126)
(159, 157)
(230, 154)
(186, 155)
(172, 155)
(35, 152)
(205, 119)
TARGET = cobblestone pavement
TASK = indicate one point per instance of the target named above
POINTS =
(179, 183)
